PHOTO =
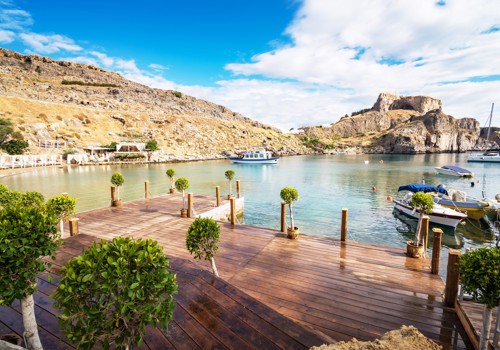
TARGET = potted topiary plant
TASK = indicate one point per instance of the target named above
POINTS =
(289, 195)
(424, 203)
(171, 173)
(480, 277)
(117, 180)
(182, 184)
(202, 240)
(229, 174)
(63, 206)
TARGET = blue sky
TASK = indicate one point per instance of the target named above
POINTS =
(287, 63)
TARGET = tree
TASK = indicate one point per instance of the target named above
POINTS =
(63, 207)
(152, 145)
(6, 129)
(117, 180)
(14, 147)
(289, 195)
(229, 174)
(171, 174)
(480, 277)
(182, 184)
(28, 231)
(113, 291)
(424, 203)
(202, 240)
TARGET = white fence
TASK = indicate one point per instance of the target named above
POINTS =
(23, 161)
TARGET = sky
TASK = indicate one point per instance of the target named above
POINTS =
(286, 63)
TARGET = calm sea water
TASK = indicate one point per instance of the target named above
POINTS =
(326, 184)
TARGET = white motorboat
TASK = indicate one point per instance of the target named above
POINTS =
(440, 215)
(492, 156)
(255, 156)
(454, 171)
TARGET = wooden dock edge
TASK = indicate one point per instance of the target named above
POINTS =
(468, 327)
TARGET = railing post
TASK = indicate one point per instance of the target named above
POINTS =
(436, 250)
(425, 233)
(146, 189)
(343, 226)
(217, 195)
(452, 277)
(232, 203)
(190, 205)
(73, 226)
(238, 188)
(283, 217)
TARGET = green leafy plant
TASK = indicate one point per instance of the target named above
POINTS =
(289, 195)
(480, 277)
(202, 240)
(113, 291)
(112, 145)
(152, 145)
(424, 203)
(28, 231)
(63, 206)
(171, 174)
(6, 129)
(178, 94)
(182, 184)
(117, 180)
(229, 174)
(14, 147)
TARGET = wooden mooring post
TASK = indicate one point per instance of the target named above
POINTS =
(190, 205)
(113, 194)
(232, 203)
(217, 195)
(238, 189)
(343, 225)
(436, 250)
(146, 189)
(452, 278)
(283, 217)
(73, 226)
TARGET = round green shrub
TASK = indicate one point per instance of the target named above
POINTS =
(289, 194)
(202, 238)
(181, 184)
(117, 179)
(113, 291)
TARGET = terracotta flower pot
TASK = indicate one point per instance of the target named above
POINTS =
(116, 203)
(172, 190)
(292, 233)
(184, 213)
(413, 250)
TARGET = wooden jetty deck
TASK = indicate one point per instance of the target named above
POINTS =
(337, 290)
(471, 314)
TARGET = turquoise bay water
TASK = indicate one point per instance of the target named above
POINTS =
(326, 184)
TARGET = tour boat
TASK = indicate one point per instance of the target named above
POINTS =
(440, 215)
(474, 208)
(255, 156)
(492, 157)
(454, 171)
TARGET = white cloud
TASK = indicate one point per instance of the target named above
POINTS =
(157, 67)
(326, 37)
(14, 19)
(103, 58)
(6, 36)
(47, 44)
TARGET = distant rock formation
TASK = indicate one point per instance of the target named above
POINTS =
(421, 104)
(403, 124)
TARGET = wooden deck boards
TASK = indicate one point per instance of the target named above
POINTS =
(473, 312)
(342, 290)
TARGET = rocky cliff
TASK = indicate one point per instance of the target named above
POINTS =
(85, 105)
(403, 124)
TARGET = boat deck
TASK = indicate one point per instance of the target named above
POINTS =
(336, 290)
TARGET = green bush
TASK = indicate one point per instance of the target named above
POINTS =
(14, 147)
(182, 184)
(62, 206)
(289, 195)
(152, 145)
(229, 174)
(178, 94)
(110, 293)
(117, 179)
(202, 240)
(82, 83)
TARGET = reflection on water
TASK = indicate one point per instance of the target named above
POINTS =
(326, 184)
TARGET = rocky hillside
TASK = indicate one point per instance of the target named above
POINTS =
(88, 106)
(402, 124)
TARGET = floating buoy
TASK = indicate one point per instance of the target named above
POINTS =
(367, 161)
(389, 198)
(381, 161)
(374, 188)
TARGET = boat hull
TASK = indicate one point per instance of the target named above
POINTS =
(475, 209)
(452, 173)
(439, 216)
(484, 158)
(254, 161)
